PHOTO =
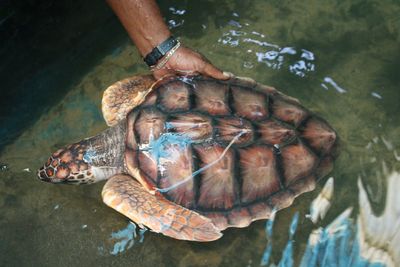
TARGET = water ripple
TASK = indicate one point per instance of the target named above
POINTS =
(331, 82)
(176, 19)
(299, 62)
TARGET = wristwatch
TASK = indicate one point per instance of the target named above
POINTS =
(159, 51)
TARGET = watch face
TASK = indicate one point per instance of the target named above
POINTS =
(167, 45)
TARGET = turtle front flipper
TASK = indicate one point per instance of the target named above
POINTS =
(123, 96)
(128, 197)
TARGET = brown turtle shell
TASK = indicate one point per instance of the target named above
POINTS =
(231, 150)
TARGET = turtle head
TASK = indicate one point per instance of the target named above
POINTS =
(91, 160)
(69, 165)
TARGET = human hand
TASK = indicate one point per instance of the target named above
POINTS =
(185, 61)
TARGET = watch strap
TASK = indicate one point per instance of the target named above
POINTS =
(159, 51)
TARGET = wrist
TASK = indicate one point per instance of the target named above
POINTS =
(148, 41)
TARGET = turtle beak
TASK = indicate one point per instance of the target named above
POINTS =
(54, 171)
(49, 174)
(41, 173)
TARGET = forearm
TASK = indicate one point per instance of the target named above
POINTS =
(143, 21)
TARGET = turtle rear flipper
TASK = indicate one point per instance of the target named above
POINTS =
(128, 197)
(123, 96)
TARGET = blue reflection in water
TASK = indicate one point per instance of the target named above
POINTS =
(268, 231)
(287, 258)
(335, 245)
(126, 238)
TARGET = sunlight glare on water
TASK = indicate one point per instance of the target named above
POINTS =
(251, 43)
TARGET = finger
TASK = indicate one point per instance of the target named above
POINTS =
(214, 72)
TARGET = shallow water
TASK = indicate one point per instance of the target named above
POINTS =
(341, 59)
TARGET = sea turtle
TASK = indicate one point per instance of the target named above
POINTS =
(191, 156)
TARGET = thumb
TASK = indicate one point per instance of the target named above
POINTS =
(214, 72)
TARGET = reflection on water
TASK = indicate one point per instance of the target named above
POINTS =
(379, 236)
(122, 240)
(268, 231)
(3, 167)
(371, 241)
(125, 238)
(321, 204)
(297, 61)
(287, 259)
(334, 245)
(331, 82)
(176, 19)
(340, 58)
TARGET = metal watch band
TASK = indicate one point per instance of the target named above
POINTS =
(159, 51)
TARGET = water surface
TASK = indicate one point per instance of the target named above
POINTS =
(339, 58)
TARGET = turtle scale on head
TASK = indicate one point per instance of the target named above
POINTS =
(192, 156)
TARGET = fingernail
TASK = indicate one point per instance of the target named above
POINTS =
(228, 74)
